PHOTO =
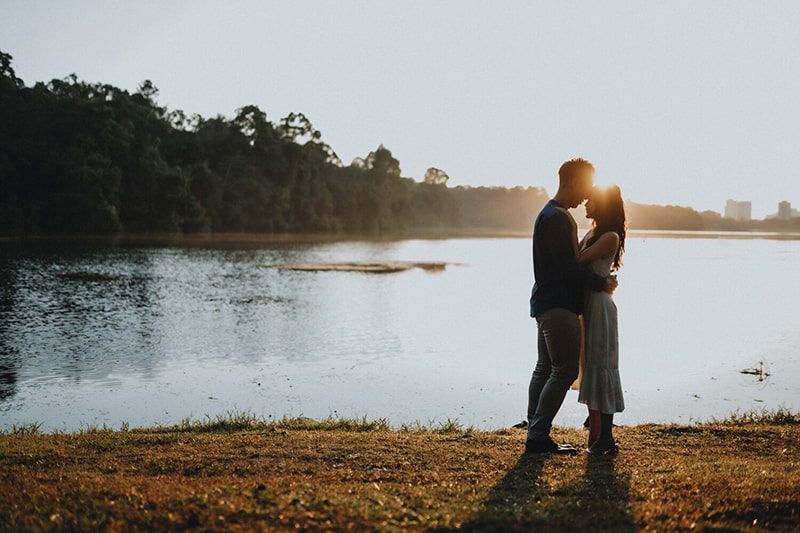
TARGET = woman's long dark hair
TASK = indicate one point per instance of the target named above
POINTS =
(609, 215)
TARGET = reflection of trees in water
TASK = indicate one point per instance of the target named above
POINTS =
(107, 319)
(8, 380)
(76, 312)
(9, 360)
(97, 313)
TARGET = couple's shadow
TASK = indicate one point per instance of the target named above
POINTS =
(535, 495)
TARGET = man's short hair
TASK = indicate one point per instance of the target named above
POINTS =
(570, 169)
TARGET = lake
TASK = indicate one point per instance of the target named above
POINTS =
(95, 334)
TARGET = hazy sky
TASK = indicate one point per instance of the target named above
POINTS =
(680, 102)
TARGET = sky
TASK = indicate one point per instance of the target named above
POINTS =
(680, 103)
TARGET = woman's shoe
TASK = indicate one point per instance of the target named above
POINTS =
(603, 447)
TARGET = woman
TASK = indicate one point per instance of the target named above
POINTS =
(601, 249)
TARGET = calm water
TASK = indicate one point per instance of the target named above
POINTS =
(93, 335)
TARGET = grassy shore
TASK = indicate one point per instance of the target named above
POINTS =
(242, 474)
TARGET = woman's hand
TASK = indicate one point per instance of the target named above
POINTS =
(611, 284)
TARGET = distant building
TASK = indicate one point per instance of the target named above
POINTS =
(738, 210)
(784, 210)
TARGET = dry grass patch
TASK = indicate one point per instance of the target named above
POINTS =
(228, 474)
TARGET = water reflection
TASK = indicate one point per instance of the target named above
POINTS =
(94, 333)
(9, 356)
(80, 314)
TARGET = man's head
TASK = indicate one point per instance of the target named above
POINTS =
(575, 180)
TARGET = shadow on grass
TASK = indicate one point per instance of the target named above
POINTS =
(595, 497)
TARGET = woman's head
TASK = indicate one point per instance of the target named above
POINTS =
(607, 211)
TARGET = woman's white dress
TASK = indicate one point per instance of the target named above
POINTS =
(600, 386)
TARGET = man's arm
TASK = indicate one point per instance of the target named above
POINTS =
(562, 243)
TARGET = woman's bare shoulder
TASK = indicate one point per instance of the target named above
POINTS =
(603, 247)
(609, 236)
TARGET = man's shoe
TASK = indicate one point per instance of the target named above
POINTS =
(548, 446)
(566, 449)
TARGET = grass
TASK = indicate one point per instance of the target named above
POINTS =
(240, 472)
(777, 417)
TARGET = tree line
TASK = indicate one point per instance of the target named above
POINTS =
(90, 158)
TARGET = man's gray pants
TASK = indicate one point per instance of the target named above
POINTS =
(559, 346)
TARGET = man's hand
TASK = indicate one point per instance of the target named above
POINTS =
(611, 284)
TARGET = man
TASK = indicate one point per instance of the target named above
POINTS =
(556, 301)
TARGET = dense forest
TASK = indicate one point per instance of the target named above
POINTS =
(81, 158)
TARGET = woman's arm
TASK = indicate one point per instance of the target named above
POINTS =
(604, 247)
(586, 237)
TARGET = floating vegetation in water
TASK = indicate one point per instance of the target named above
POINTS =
(84, 276)
(261, 299)
(761, 370)
(372, 267)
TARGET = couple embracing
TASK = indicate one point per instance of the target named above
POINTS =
(574, 280)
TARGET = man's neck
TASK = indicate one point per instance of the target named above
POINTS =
(559, 199)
